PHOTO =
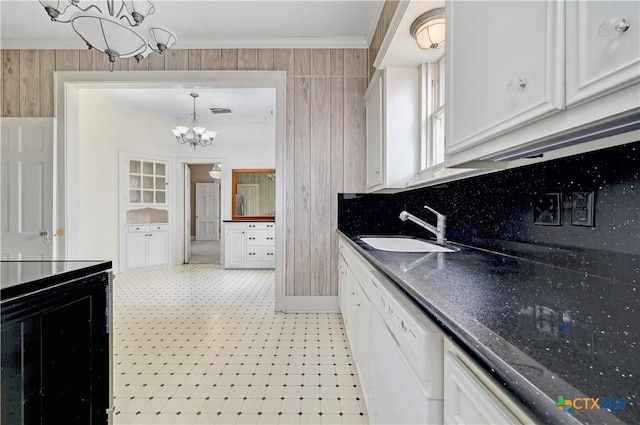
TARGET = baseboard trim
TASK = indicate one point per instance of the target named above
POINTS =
(309, 304)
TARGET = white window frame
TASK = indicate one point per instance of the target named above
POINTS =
(432, 112)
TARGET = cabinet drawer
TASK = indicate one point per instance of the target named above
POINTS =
(261, 226)
(261, 237)
(261, 253)
(138, 228)
(159, 227)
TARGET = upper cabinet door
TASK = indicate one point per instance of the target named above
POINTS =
(375, 133)
(603, 47)
(505, 67)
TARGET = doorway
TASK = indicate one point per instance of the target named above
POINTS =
(202, 214)
(68, 86)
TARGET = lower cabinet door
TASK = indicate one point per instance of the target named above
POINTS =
(467, 400)
(157, 248)
(136, 250)
(234, 248)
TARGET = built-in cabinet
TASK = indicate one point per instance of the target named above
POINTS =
(522, 78)
(505, 66)
(249, 245)
(510, 65)
(410, 371)
(147, 245)
(144, 211)
(603, 47)
(392, 104)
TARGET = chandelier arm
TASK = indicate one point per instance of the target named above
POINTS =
(120, 11)
(88, 8)
(126, 18)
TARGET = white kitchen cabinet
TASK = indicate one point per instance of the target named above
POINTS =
(505, 68)
(603, 47)
(147, 245)
(392, 103)
(249, 245)
(471, 396)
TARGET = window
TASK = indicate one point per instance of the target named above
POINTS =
(433, 98)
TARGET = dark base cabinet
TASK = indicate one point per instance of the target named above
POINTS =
(55, 354)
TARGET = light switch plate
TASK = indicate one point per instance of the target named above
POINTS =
(582, 209)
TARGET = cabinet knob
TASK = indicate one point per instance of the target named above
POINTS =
(516, 84)
(613, 27)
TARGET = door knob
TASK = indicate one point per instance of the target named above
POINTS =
(45, 236)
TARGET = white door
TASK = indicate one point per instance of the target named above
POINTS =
(207, 211)
(249, 194)
(187, 213)
(27, 189)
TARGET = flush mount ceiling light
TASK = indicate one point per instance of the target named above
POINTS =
(428, 29)
(216, 171)
(195, 135)
(118, 32)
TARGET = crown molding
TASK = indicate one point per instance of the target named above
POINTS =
(217, 43)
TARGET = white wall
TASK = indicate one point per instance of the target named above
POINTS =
(106, 129)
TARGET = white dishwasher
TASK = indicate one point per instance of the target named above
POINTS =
(405, 371)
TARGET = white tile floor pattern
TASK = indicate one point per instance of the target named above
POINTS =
(197, 344)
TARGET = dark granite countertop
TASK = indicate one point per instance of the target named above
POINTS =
(18, 278)
(541, 330)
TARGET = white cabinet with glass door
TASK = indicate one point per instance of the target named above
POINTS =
(147, 182)
(144, 211)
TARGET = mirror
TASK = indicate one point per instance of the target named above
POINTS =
(253, 194)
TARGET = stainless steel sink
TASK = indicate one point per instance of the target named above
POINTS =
(404, 244)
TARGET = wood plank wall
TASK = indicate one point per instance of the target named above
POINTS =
(388, 10)
(324, 134)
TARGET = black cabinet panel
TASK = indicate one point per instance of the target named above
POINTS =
(55, 355)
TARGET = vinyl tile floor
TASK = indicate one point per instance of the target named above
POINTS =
(197, 344)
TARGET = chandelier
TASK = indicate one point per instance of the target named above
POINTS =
(216, 171)
(118, 31)
(195, 135)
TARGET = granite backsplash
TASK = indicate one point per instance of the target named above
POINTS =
(496, 212)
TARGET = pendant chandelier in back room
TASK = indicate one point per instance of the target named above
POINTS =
(119, 31)
(194, 135)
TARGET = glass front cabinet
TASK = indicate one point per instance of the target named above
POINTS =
(147, 182)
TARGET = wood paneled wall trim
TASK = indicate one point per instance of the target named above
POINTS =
(325, 143)
(388, 11)
(27, 75)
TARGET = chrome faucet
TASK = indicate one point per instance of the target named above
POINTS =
(439, 230)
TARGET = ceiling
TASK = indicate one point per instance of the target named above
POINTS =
(208, 24)
(213, 23)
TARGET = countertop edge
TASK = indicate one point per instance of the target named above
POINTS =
(49, 281)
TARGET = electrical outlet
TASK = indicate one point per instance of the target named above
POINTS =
(582, 209)
(546, 209)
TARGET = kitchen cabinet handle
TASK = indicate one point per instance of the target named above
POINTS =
(516, 84)
(613, 27)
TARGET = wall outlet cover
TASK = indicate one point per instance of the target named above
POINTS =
(546, 209)
(582, 209)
